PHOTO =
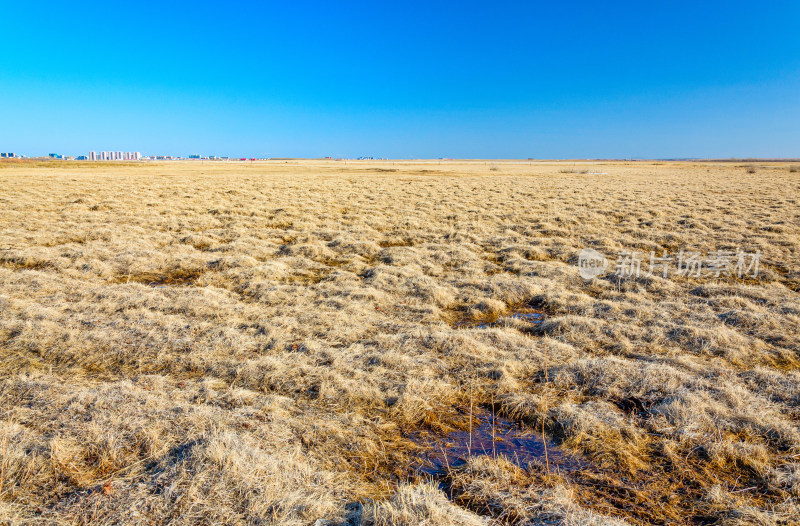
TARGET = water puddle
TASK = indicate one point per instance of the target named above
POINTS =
(529, 319)
(492, 436)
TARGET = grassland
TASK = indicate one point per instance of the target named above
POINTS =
(276, 343)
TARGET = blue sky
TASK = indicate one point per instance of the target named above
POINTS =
(402, 79)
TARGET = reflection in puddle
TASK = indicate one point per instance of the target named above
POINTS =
(531, 318)
(523, 447)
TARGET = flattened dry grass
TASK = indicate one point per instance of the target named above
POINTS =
(265, 342)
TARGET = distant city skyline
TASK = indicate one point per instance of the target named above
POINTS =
(138, 156)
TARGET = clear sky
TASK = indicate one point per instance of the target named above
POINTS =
(402, 79)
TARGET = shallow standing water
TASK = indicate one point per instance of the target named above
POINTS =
(492, 436)
(532, 318)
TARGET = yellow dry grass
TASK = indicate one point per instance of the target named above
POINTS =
(256, 343)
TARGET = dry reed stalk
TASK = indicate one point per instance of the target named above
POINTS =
(493, 446)
(469, 447)
(544, 438)
(3, 454)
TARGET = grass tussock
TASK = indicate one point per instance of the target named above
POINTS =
(267, 343)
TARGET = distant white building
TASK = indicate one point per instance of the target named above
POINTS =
(114, 156)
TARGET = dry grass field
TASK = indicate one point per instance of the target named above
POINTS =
(293, 342)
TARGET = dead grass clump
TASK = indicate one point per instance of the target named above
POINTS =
(86, 463)
(199, 241)
(740, 456)
(787, 477)
(418, 504)
(497, 488)
(24, 263)
(602, 432)
(396, 242)
(580, 331)
(416, 407)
